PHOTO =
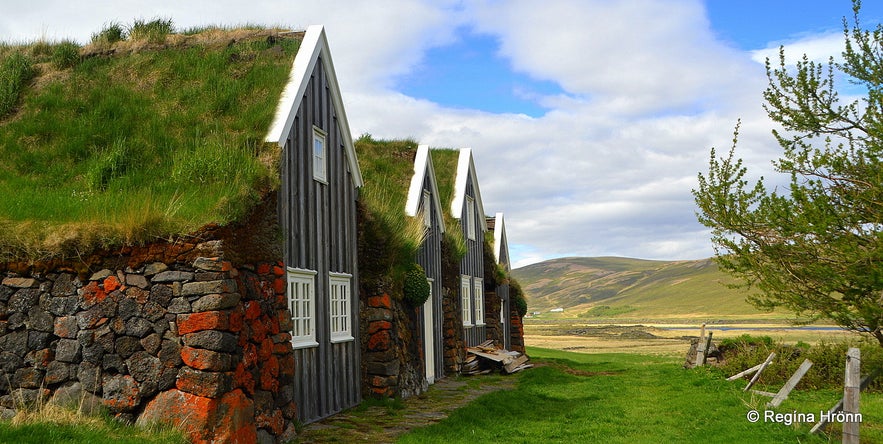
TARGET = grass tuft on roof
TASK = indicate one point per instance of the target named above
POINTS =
(127, 141)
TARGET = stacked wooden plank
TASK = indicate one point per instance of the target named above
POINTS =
(485, 358)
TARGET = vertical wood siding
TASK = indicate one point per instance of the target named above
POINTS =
(319, 224)
(429, 257)
(472, 263)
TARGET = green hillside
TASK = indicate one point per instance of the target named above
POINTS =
(622, 288)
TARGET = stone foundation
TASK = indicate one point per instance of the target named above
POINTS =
(201, 344)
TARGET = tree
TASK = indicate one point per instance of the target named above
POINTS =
(817, 248)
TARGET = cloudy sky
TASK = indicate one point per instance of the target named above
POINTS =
(589, 119)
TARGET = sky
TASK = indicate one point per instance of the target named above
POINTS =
(589, 119)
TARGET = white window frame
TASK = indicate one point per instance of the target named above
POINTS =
(427, 210)
(478, 294)
(302, 305)
(466, 299)
(319, 150)
(470, 218)
(340, 307)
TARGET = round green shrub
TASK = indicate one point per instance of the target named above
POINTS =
(416, 289)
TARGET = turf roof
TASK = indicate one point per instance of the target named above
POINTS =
(388, 166)
(139, 139)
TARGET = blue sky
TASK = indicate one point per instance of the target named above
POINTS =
(589, 119)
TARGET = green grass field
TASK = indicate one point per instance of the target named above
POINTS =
(621, 398)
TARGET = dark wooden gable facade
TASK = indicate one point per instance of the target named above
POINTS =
(500, 246)
(468, 209)
(423, 201)
(317, 212)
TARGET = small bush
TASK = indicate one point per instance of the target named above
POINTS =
(416, 286)
(111, 34)
(154, 31)
(15, 71)
(516, 295)
(65, 54)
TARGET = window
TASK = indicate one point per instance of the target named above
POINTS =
(340, 307)
(466, 299)
(478, 291)
(320, 162)
(302, 304)
(427, 210)
(470, 218)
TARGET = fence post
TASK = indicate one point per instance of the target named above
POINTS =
(792, 382)
(700, 348)
(851, 392)
(759, 371)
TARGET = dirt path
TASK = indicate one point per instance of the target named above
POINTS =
(384, 423)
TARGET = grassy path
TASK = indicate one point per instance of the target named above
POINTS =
(377, 421)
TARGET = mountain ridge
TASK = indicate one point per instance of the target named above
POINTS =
(626, 287)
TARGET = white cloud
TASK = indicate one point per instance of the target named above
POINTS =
(639, 55)
(817, 48)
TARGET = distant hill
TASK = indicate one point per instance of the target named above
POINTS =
(614, 287)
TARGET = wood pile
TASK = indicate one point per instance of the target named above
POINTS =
(485, 358)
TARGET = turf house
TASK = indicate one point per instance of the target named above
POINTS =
(400, 261)
(464, 208)
(500, 245)
(193, 257)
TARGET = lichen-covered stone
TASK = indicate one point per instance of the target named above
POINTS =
(202, 359)
(23, 300)
(203, 383)
(120, 393)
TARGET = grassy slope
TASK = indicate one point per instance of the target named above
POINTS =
(633, 288)
(154, 141)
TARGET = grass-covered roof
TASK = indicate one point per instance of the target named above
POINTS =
(135, 137)
(387, 166)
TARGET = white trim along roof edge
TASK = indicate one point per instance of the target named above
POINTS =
(422, 165)
(314, 43)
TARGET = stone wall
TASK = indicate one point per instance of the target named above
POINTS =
(517, 332)
(452, 331)
(200, 343)
(493, 329)
(392, 352)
